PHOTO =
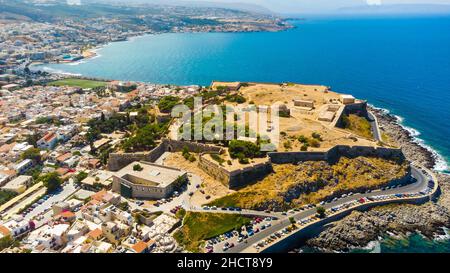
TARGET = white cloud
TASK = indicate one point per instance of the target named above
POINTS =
(374, 2)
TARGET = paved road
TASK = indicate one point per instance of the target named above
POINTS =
(375, 129)
(66, 191)
(419, 185)
(255, 213)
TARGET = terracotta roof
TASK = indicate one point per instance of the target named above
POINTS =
(49, 136)
(99, 195)
(62, 171)
(94, 161)
(8, 172)
(64, 157)
(67, 214)
(96, 233)
(7, 147)
(139, 247)
(4, 230)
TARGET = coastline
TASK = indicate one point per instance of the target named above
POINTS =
(361, 230)
(92, 53)
(414, 148)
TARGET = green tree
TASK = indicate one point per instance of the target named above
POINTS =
(6, 242)
(123, 206)
(5, 196)
(52, 181)
(32, 154)
(32, 139)
(166, 104)
(321, 211)
(80, 177)
(239, 148)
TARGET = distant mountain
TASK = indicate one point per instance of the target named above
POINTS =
(187, 3)
(232, 5)
(398, 9)
(154, 14)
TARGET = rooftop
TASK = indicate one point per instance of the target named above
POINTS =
(150, 175)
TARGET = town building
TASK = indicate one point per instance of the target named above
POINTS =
(147, 180)
(19, 184)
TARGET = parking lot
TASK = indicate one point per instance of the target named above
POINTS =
(39, 210)
(228, 240)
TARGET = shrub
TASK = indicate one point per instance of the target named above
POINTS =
(137, 168)
(217, 158)
(192, 158)
(239, 148)
(314, 143)
(321, 212)
(284, 114)
(303, 139)
(287, 145)
(243, 160)
(317, 136)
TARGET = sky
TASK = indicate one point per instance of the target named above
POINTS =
(299, 6)
(292, 6)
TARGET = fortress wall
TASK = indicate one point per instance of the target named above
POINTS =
(359, 108)
(214, 170)
(295, 157)
(236, 178)
(354, 151)
(178, 145)
(248, 175)
(117, 161)
(333, 154)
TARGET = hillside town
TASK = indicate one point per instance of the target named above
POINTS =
(43, 132)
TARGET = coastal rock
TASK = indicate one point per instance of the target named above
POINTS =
(360, 228)
(412, 150)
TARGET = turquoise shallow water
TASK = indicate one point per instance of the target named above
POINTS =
(400, 64)
(415, 243)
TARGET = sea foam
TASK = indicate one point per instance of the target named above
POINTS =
(440, 163)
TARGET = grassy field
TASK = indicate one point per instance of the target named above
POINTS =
(78, 83)
(291, 186)
(358, 125)
(199, 226)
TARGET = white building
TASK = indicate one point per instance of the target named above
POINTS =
(18, 184)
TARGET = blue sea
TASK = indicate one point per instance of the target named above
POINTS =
(399, 64)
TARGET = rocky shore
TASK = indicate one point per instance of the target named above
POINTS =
(360, 228)
(412, 150)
